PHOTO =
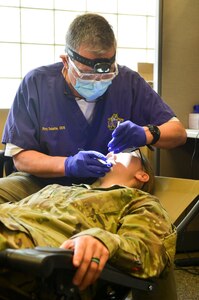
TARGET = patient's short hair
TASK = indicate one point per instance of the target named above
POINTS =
(148, 186)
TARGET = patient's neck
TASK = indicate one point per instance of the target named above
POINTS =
(101, 184)
(108, 182)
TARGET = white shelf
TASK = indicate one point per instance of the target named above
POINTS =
(192, 133)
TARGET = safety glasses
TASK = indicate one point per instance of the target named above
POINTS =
(77, 73)
(137, 153)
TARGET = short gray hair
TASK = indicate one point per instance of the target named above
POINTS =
(92, 31)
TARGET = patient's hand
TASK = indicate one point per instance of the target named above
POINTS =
(85, 248)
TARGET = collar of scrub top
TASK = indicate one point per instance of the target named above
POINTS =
(99, 65)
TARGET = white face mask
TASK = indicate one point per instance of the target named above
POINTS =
(91, 89)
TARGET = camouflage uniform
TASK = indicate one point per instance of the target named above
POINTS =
(131, 223)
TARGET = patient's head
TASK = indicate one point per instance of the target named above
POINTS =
(129, 169)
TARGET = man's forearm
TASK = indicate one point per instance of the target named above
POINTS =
(39, 164)
(172, 134)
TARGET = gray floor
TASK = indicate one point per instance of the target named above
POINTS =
(187, 282)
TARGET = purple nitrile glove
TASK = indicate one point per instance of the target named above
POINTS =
(127, 135)
(87, 164)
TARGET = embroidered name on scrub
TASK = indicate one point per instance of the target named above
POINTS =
(53, 128)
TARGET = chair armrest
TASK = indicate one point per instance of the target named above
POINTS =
(1, 162)
(6, 164)
(43, 261)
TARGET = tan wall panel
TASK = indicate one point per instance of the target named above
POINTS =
(3, 117)
(180, 56)
(180, 77)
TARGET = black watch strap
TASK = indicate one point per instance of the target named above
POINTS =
(154, 130)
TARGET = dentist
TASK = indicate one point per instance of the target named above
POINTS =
(76, 104)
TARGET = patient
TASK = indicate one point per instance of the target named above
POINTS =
(115, 219)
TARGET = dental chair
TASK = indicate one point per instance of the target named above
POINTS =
(53, 270)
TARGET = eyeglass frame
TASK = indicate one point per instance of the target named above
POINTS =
(98, 76)
(131, 150)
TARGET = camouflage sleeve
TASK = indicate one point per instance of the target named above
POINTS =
(144, 243)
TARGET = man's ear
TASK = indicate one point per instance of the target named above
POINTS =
(142, 176)
(64, 60)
